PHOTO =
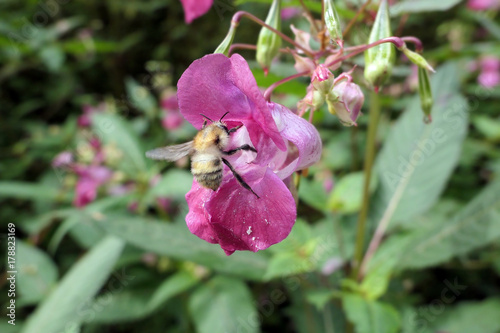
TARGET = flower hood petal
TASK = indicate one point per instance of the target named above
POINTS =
(302, 134)
(216, 84)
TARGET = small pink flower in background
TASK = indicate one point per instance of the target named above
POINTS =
(63, 159)
(172, 118)
(489, 76)
(195, 8)
(85, 119)
(289, 13)
(232, 216)
(90, 178)
(483, 4)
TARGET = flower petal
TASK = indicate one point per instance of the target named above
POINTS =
(302, 134)
(198, 218)
(216, 84)
(195, 8)
(241, 221)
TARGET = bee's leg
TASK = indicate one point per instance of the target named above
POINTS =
(244, 147)
(238, 177)
(234, 129)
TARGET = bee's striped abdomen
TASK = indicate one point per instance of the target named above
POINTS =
(207, 172)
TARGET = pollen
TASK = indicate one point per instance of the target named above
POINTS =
(249, 231)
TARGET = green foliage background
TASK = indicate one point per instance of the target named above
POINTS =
(107, 269)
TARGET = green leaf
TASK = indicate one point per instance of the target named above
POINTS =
(489, 127)
(371, 316)
(177, 242)
(223, 304)
(443, 238)
(347, 194)
(133, 305)
(417, 158)
(313, 194)
(320, 297)
(31, 191)
(111, 128)
(376, 281)
(141, 97)
(418, 6)
(175, 183)
(53, 57)
(37, 273)
(474, 226)
(470, 317)
(62, 310)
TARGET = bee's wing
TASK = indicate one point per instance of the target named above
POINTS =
(171, 153)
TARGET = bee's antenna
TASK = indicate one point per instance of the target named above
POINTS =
(223, 115)
(206, 117)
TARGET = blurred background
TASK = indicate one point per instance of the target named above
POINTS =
(101, 242)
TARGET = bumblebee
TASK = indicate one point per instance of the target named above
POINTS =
(206, 150)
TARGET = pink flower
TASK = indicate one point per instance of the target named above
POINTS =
(232, 216)
(90, 178)
(195, 8)
(483, 4)
(63, 159)
(490, 72)
(85, 119)
(289, 13)
(172, 119)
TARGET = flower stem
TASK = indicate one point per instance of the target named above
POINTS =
(398, 42)
(418, 43)
(238, 15)
(353, 20)
(382, 226)
(368, 166)
(269, 90)
(309, 14)
(243, 46)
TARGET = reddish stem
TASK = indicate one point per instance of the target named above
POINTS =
(419, 47)
(237, 18)
(353, 20)
(398, 42)
(269, 90)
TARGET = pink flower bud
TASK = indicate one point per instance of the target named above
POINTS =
(345, 100)
(62, 159)
(322, 79)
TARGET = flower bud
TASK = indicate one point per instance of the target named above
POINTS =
(332, 22)
(345, 100)
(322, 79)
(379, 60)
(416, 58)
(424, 90)
(269, 43)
